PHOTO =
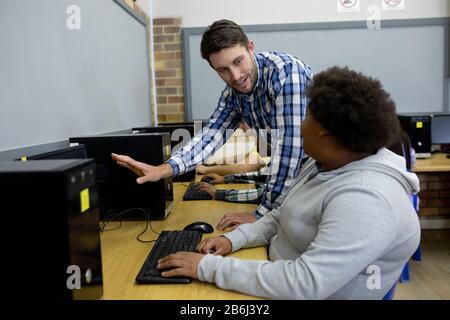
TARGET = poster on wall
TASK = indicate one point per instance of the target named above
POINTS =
(391, 5)
(348, 5)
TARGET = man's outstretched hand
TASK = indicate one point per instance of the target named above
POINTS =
(145, 171)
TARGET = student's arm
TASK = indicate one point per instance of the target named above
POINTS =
(356, 228)
(253, 234)
(235, 195)
(211, 138)
(288, 93)
(229, 168)
(247, 177)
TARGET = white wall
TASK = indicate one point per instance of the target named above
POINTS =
(144, 5)
(199, 13)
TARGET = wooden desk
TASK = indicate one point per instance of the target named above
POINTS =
(123, 255)
(434, 176)
(437, 162)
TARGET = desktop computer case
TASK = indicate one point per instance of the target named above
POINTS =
(55, 241)
(155, 198)
(171, 129)
(418, 128)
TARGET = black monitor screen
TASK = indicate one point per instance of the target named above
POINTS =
(118, 189)
(440, 129)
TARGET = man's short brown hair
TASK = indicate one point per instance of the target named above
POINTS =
(220, 35)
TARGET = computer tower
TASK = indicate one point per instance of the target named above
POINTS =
(75, 152)
(180, 135)
(120, 196)
(418, 128)
(50, 208)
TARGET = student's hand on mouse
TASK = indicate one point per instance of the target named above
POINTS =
(216, 178)
(180, 264)
(219, 245)
(231, 221)
(145, 171)
(211, 190)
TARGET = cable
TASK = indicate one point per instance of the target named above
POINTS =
(147, 215)
(110, 216)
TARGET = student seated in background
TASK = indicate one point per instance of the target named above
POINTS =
(224, 169)
(402, 146)
(251, 162)
(235, 195)
(346, 227)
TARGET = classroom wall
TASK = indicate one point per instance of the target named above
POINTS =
(198, 13)
(144, 5)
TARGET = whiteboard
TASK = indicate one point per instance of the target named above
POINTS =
(409, 57)
(56, 82)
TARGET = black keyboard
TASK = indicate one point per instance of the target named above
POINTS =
(192, 193)
(168, 242)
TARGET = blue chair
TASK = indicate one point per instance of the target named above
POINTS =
(390, 294)
(417, 256)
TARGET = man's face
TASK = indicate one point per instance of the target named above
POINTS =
(235, 65)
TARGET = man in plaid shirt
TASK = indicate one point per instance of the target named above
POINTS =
(267, 91)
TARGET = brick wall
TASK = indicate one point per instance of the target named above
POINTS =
(168, 69)
(434, 194)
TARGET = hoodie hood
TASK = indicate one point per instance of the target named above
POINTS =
(383, 162)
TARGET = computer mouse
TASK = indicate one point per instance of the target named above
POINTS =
(201, 226)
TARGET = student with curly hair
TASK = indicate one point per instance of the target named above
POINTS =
(346, 227)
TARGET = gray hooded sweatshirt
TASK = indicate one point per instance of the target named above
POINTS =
(340, 234)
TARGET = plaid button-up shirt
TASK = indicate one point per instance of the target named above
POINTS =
(277, 104)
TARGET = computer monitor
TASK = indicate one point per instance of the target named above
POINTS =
(440, 130)
(119, 192)
(75, 152)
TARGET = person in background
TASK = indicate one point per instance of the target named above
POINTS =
(235, 195)
(267, 91)
(346, 227)
(225, 169)
(402, 146)
(252, 162)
